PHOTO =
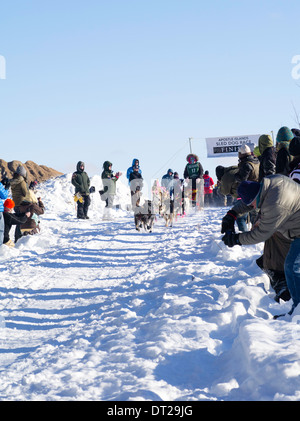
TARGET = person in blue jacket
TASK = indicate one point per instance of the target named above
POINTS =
(136, 164)
(3, 196)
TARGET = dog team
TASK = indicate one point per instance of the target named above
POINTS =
(170, 198)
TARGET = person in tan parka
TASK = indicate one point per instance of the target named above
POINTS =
(19, 189)
(277, 198)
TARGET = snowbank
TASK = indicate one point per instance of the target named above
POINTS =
(94, 310)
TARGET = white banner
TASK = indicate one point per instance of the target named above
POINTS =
(228, 146)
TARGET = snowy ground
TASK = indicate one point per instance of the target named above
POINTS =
(94, 310)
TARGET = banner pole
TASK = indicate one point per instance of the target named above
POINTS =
(190, 139)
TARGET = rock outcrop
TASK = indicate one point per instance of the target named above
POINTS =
(34, 171)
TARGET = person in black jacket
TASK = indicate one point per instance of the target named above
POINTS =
(136, 185)
(81, 181)
(267, 156)
(248, 165)
(11, 219)
(294, 149)
(283, 158)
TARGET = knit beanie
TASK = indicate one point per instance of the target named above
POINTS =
(265, 141)
(244, 150)
(248, 190)
(21, 171)
(294, 146)
(9, 204)
(284, 135)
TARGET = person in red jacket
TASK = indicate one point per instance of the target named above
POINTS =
(208, 189)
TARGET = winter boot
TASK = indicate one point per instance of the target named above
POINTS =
(278, 283)
(280, 287)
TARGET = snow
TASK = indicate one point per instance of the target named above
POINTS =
(94, 310)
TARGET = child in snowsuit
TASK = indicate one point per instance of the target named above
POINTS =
(11, 219)
(3, 196)
(31, 225)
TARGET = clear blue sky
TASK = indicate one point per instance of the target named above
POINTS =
(114, 80)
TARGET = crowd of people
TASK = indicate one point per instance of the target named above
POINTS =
(263, 190)
(22, 210)
(266, 188)
(170, 183)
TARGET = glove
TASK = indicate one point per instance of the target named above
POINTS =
(103, 191)
(228, 222)
(6, 183)
(78, 198)
(92, 189)
(231, 239)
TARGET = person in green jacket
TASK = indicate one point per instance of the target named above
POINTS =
(81, 181)
(194, 171)
(109, 180)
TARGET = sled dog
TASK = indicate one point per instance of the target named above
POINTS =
(143, 216)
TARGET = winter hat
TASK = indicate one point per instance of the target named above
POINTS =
(106, 165)
(244, 150)
(79, 164)
(265, 141)
(294, 146)
(9, 204)
(248, 190)
(192, 155)
(256, 151)
(21, 171)
(220, 172)
(296, 132)
(206, 172)
(284, 135)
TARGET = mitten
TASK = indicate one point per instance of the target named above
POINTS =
(231, 239)
(228, 221)
(6, 183)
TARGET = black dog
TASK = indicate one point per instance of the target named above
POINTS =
(143, 217)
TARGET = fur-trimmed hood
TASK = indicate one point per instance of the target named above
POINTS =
(192, 155)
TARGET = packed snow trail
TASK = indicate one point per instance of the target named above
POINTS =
(94, 310)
